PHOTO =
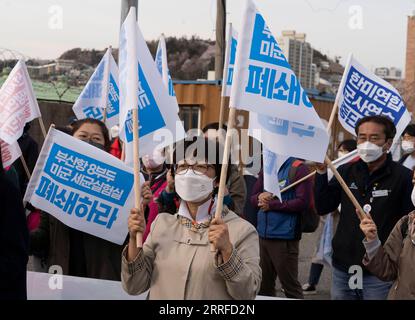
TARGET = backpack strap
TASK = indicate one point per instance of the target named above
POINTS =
(293, 170)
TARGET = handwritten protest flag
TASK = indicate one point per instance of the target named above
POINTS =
(100, 97)
(84, 187)
(362, 93)
(18, 104)
(159, 124)
(9, 153)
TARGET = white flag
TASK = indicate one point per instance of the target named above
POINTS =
(18, 103)
(272, 164)
(84, 187)
(100, 93)
(9, 153)
(163, 68)
(361, 93)
(281, 114)
(159, 124)
(263, 79)
(230, 56)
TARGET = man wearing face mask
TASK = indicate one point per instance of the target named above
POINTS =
(377, 181)
(408, 147)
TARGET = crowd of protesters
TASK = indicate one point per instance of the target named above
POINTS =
(187, 253)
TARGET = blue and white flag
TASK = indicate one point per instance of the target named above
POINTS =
(361, 93)
(163, 67)
(159, 123)
(82, 186)
(289, 138)
(263, 80)
(230, 56)
(101, 93)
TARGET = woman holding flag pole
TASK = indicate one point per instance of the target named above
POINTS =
(175, 261)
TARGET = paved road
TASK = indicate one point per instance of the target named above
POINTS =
(307, 247)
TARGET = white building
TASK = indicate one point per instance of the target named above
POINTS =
(300, 56)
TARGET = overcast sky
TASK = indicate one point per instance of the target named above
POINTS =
(374, 30)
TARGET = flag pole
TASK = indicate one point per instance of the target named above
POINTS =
(224, 78)
(225, 165)
(107, 80)
(360, 211)
(137, 189)
(42, 127)
(336, 101)
(25, 167)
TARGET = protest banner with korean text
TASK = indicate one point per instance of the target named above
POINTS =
(84, 187)
(18, 104)
(159, 124)
(362, 93)
(9, 153)
(100, 93)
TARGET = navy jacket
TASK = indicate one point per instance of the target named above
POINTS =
(387, 190)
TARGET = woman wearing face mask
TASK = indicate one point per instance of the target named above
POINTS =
(78, 253)
(155, 171)
(408, 147)
(395, 260)
(176, 261)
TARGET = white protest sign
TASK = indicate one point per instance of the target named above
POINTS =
(18, 103)
(362, 93)
(84, 187)
(9, 153)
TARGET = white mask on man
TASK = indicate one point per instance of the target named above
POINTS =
(408, 146)
(193, 187)
(369, 152)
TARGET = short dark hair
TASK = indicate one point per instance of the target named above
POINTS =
(388, 126)
(410, 130)
(348, 144)
(204, 145)
(214, 126)
(78, 124)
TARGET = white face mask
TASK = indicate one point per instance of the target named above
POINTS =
(341, 154)
(413, 196)
(193, 187)
(155, 160)
(369, 151)
(408, 146)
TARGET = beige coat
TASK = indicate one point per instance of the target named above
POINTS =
(395, 261)
(176, 263)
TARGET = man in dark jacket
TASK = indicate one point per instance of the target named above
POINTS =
(377, 181)
(279, 228)
(14, 241)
